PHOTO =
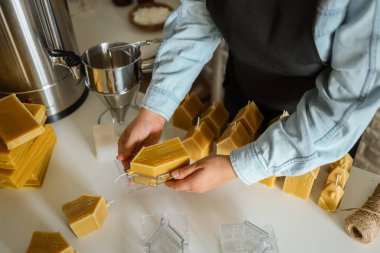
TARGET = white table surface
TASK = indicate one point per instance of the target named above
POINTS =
(300, 226)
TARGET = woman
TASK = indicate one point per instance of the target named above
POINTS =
(317, 59)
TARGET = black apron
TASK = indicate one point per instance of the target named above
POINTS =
(273, 58)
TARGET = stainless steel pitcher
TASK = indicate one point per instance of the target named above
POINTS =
(29, 30)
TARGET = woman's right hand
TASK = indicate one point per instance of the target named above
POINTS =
(144, 130)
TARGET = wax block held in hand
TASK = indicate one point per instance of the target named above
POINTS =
(158, 159)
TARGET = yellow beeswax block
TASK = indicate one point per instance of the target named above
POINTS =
(18, 125)
(49, 242)
(331, 197)
(160, 158)
(38, 175)
(251, 118)
(270, 181)
(10, 156)
(234, 137)
(198, 140)
(187, 112)
(20, 175)
(216, 116)
(338, 176)
(86, 214)
(275, 119)
(345, 162)
(151, 181)
(300, 186)
(38, 111)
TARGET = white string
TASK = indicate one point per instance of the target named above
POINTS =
(120, 176)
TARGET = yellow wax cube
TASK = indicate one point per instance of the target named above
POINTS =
(234, 137)
(300, 186)
(345, 162)
(251, 118)
(338, 176)
(18, 125)
(198, 141)
(270, 181)
(331, 197)
(86, 214)
(216, 116)
(187, 111)
(49, 242)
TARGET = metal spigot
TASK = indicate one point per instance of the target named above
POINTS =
(68, 60)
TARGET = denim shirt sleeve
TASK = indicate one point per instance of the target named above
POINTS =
(190, 39)
(331, 117)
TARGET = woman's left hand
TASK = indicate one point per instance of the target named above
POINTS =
(203, 175)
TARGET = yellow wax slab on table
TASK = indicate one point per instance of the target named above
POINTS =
(251, 118)
(345, 162)
(160, 158)
(187, 112)
(49, 242)
(234, 137)
(86, 214)
(198, 141)
(300, 186)
(331, 197)
(216, 116)
(19, 176)
(18, 125)
(270, 181)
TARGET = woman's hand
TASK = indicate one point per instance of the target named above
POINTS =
(144, 130)
(203, 175)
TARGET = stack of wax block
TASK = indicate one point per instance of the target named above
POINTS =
(187, 112)
(216, 116)
(233, 137)
(332, 194)
(153, 164)
(49, 242)
(270, 181)
(198, 141)
(24, 165)
(86, 214)
(300, 186)
(251, 118)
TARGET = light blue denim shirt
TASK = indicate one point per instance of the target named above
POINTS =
(328, 120)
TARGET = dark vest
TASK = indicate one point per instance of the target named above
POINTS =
(273, 58)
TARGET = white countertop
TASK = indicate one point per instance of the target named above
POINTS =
(300, 226)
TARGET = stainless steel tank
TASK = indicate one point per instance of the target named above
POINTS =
(30, 30)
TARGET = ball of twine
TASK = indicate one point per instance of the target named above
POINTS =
(364, 224)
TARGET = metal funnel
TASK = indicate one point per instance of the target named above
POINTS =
(114, 73)
(118, 104)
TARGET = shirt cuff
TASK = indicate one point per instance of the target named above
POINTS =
(247, 165)
(159, 101)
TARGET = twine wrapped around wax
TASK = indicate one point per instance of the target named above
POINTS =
(364, 224)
